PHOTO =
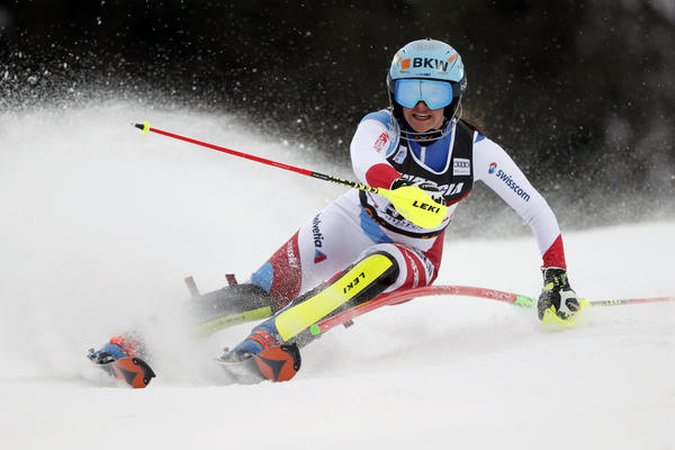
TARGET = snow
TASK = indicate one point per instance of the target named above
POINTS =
(101, 224)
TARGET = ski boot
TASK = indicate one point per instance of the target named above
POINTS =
(120, 357)
(261, 356)
(117, 347)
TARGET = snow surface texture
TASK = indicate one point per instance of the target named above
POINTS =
(100, 225)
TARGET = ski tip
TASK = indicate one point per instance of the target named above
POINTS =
(144, 127)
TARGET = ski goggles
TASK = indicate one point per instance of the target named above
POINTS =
(436, 94)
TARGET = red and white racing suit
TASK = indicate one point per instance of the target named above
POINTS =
(357, 223)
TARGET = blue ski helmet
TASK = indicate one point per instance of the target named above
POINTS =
(430, 71)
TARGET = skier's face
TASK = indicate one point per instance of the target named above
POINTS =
(422, 119)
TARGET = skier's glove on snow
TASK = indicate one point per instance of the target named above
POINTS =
(557, 293)
(429, 187)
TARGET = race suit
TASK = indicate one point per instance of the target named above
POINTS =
(357, 223)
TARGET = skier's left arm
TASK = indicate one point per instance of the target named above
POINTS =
(494, 167)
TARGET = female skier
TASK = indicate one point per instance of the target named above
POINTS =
(359, 246)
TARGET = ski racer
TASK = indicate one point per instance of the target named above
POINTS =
(359, 246)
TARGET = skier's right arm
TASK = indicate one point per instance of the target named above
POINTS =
(373, 141)
(498, 171)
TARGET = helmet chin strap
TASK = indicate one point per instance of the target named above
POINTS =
(458, 111)
(427, 136)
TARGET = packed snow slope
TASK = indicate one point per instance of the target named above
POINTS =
(101, 224)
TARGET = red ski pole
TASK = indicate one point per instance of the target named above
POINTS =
(463, 291)
(410, 201)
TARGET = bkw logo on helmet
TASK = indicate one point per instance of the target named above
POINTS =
(428, 63)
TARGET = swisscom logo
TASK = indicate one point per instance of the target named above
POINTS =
(507, 180)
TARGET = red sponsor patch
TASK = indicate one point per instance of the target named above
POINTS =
(381, 142)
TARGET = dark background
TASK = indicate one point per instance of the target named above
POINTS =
(581, 93)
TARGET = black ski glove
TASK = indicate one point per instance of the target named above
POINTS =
(429, 187)
(557, 294)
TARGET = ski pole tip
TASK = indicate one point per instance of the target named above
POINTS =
(144, 127)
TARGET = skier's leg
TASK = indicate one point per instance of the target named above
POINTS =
(315, 253)
(382, 268)
(312, 254)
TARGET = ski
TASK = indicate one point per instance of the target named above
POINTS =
(133, 371)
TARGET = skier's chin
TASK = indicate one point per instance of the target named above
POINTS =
(423, 125)
(422, 129)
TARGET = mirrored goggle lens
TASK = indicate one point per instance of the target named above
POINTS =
(436, 94)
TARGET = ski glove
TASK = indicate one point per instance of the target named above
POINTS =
(429, 187)
(557, 294)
